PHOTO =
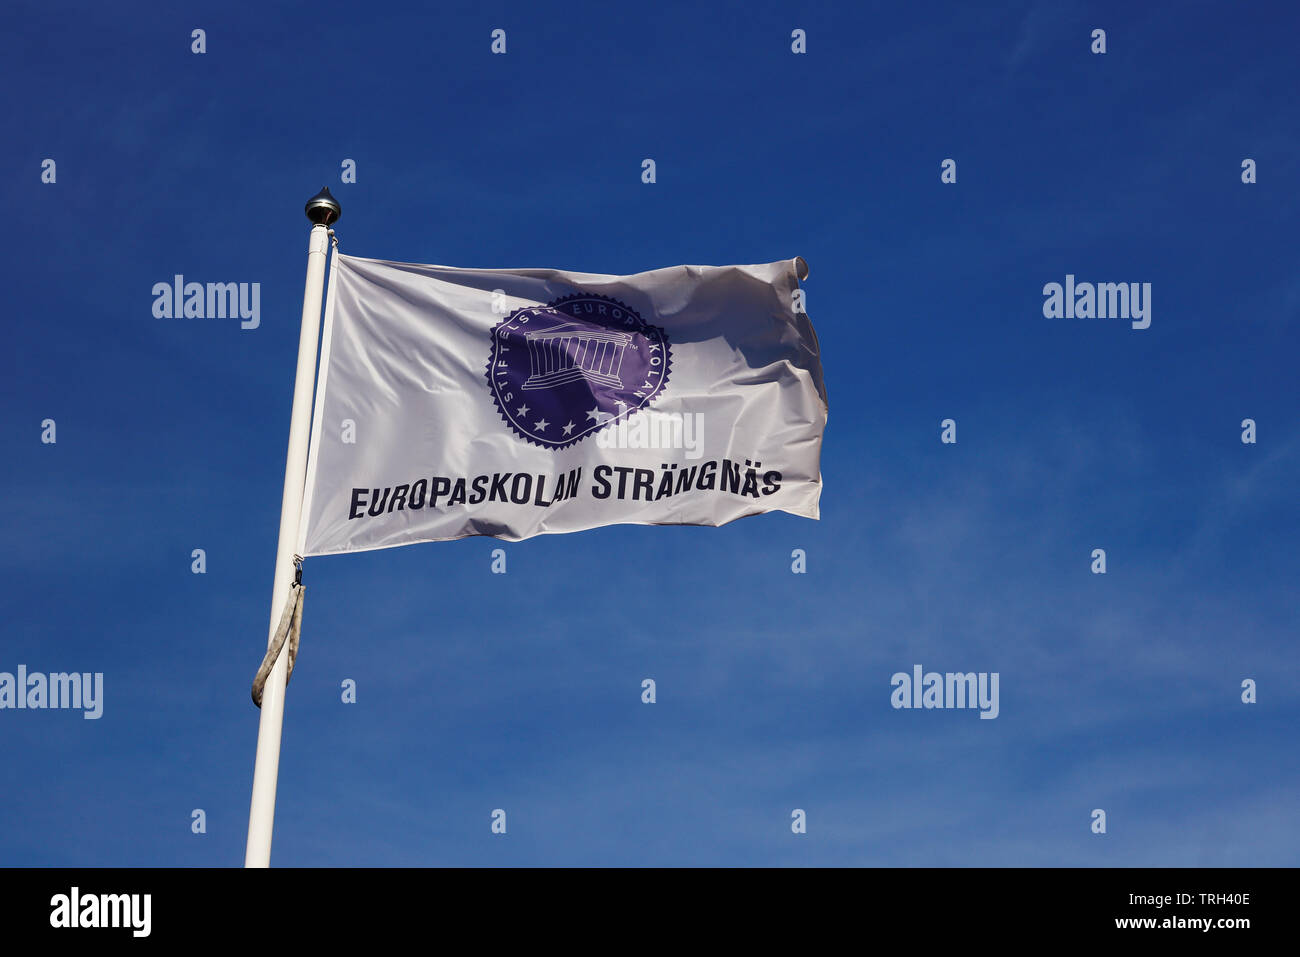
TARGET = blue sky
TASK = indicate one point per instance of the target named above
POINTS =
(1119, 692)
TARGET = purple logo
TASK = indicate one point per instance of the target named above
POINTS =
(564, 371)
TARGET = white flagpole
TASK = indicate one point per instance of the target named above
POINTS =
(322, 210)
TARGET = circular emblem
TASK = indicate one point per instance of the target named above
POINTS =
(563, 371)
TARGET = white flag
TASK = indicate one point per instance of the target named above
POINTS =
(520, 402)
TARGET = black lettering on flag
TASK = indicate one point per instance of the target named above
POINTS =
(399, 498)
(358, 503)
(575, 476)
(601, 477)
(730, 476)
(515, 494)
(622, 471)
(418, 491)
(457, 493)
(665, 485)
(644, 481)
(440, 487)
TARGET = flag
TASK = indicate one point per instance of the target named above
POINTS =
(519, 402)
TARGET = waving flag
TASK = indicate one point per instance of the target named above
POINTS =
(520, 402)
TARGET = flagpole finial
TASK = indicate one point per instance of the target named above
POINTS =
(323, 209)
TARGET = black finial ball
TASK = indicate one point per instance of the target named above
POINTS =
(323, 209)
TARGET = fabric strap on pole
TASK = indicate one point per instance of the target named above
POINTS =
(290, 628)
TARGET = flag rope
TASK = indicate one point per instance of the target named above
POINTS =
(290, 628)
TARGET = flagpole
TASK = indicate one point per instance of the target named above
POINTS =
(323, 210)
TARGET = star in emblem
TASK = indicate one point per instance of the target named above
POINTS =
(594, 414)
(568, 428)
(541, 426)
(522, 410)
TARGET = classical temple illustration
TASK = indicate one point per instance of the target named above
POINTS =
(571, 351)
